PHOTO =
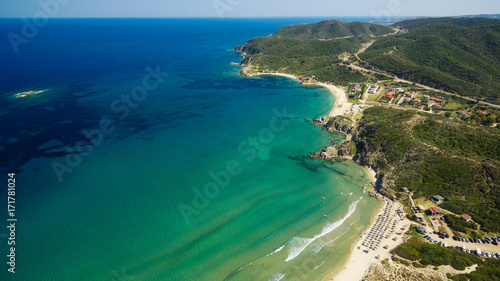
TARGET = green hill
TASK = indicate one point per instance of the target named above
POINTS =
(331, 29)
(457, 55)
(465, 22)
(430, 154)
(311, 50)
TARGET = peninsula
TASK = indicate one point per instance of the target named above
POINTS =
(419, 103)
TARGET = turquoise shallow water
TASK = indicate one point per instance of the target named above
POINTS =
(204, 179)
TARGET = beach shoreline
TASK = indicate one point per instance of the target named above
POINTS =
(357, 264)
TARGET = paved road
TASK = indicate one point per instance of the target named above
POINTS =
(410, 82)
(424, 86)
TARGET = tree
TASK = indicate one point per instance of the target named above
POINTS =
(447, 114)
(490, 120)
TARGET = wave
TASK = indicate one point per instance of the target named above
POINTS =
(239, 269)
(318, 265)
(275, 251)
(299, 244)
(277, 277)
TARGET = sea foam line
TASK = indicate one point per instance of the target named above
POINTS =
(299, 244)
(277, 277)
(239, 269)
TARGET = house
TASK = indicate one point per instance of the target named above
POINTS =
(437, 199)
(482, 112)
(434, 99)
(435, 211)
(466, 217)
(417, 100)
(421, 208)
(461, 112)
(357, 87)
(389, 95)
(437, 105)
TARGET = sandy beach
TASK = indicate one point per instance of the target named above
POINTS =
(361, 256)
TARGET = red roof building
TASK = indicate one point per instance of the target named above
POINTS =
(466, 217)
(435, 211)
(482, 112)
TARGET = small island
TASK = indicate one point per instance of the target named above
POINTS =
(28, 93)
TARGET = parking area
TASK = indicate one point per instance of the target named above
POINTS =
(487, 247)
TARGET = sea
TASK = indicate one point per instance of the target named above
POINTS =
(146, 156)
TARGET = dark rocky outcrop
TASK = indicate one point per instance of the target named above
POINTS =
(337, 124)
(340, 151)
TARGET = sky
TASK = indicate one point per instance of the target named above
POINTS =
(245, 8)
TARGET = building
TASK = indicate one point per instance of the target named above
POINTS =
(466, 217)
(437, 199)
(482, 112)
(435, 211)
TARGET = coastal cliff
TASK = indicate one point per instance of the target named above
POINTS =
(425, 154)
(355, 148)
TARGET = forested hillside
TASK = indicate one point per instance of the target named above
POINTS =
(430, 154)
(457, 55)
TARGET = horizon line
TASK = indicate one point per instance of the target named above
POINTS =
(255, 17)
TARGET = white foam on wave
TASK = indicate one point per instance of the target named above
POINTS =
(239, 269)
(275, 251)
(277, 277)
(297, 244)
(318, 265)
